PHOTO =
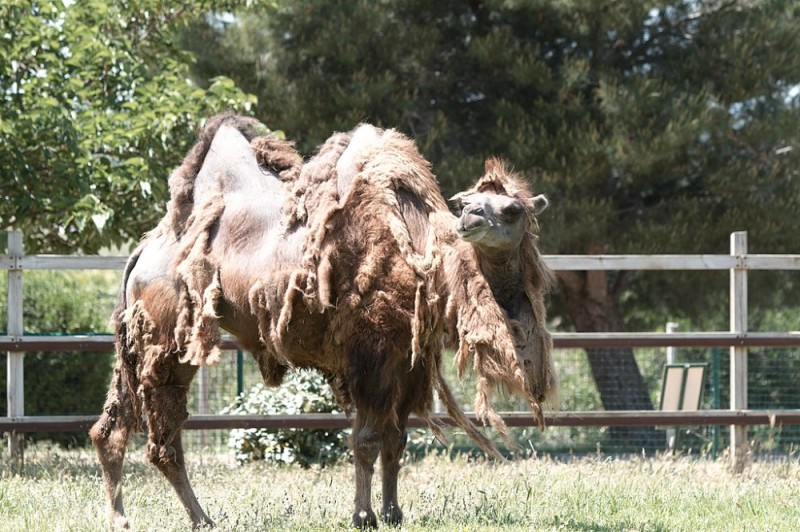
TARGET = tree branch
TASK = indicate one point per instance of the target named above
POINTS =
(155, 25)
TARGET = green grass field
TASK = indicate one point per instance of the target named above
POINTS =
(61, 490)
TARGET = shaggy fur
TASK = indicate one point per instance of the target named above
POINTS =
(514, 349)
(348, 264)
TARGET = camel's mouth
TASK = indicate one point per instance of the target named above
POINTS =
(472, 234)
(471, 229)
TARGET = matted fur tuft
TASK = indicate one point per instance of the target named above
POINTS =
(278, 155)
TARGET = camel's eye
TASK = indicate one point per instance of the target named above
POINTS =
(456, 205)
(512, 212)
(475, 209)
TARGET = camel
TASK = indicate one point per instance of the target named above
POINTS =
(350, 264)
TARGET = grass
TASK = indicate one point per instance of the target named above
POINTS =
(61, 490)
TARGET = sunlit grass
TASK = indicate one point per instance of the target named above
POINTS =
(62, 491)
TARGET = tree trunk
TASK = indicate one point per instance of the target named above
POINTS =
(593, 307)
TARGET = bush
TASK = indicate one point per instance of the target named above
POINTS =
(302, 392)
(63, 383)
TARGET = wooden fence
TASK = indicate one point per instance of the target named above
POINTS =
(738, 339)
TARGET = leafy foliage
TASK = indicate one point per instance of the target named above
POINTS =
(96, 107)
(62, 383)
(302, 392)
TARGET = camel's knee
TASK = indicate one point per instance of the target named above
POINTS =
(393, 444)
(103, 428)
(110, 443)
(118, 409)
(162, 455)
(110, 433)
(366, 446)
(396, 442)
(166, 408)
(166, 412)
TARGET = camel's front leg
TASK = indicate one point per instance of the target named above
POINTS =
(166, 412)
(394, 443)
(366, 446)
(174, 469)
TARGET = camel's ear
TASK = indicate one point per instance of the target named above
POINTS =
(493, 164)
(538, 203)
(456, 203)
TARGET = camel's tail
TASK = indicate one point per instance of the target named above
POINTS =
(460, 419)
(126, 370)
(123, 406)
(128, 387)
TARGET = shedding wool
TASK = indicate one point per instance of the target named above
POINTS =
(349, 263)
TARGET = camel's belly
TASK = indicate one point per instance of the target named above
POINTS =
(301, 341)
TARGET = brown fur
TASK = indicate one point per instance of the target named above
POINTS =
(367, 284)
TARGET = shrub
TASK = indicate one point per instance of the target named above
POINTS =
(302, 392)
(63, 383)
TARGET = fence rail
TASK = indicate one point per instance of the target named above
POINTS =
(738, 263)
(556, 262)
(616, 418)
(105, 342)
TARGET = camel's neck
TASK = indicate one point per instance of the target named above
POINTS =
(503, 272)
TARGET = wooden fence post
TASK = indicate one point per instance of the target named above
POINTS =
(14, 374)
(738, 321)
(672, 358)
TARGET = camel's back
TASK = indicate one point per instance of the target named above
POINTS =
(250, 236)
(232, 169)
(348, 237)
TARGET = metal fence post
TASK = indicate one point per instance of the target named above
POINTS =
(738, 322)
(14, 374)
(239, 373)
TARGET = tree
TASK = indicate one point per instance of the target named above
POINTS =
(96, 107)
(655, 127)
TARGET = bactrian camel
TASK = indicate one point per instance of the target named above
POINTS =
(350, 264)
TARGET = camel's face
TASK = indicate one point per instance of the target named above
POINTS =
(493, 221)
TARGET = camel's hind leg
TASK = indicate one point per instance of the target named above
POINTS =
(110, 437)
(393, 445)
(165, 406)
(366, 446)
(415, 395)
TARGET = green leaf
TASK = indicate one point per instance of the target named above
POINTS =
(102, 107)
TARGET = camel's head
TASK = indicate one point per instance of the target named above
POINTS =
(497, 216)
(497, 212)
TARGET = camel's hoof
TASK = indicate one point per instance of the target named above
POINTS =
(365, 519)
(204, 525)
(392, 516)
(120, 522)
